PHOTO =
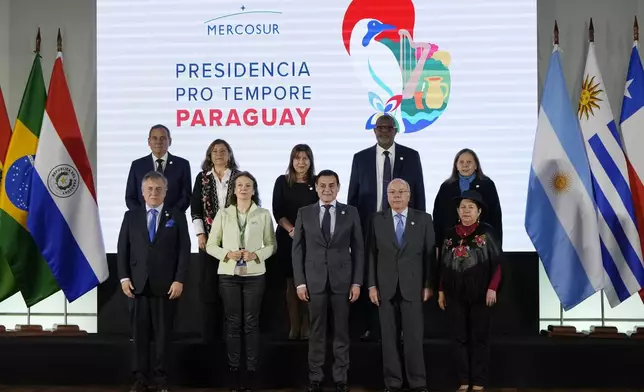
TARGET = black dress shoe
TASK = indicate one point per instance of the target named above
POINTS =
(163, 389)
(234, 379)
(314, 387)
(139, 386)
(341, 387)
(421, 389)
(250, 382)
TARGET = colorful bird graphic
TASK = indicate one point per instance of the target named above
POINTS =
(406, 79)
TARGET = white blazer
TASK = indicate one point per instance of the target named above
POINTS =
(259, 237)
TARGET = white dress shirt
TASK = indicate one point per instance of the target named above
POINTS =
(380, 169)
(331, 212)
(163, 164)
(222, 192)
(148, 220)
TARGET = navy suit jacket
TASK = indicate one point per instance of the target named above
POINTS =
(363, 185)
(177, 171)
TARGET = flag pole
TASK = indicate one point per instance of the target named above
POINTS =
(555, 41)
(37, 52)
(602, 307)
(591, 31)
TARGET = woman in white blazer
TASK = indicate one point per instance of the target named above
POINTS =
(243, 238)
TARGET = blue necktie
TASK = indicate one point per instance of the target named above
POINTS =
(152, 226)
(400, 228)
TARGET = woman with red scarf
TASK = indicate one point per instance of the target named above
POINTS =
(470, 272)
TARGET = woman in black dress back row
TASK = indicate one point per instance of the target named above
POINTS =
(293, 190)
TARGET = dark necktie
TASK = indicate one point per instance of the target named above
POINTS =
(160, 165)
(326, 223)
(386, 179)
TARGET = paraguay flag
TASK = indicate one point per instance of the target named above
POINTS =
(63, 214)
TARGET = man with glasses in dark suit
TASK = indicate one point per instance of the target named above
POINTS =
(371, 172)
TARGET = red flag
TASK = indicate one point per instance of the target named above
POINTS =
(5, 132)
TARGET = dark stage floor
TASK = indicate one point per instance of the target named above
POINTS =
(106, 389)
(535, 362)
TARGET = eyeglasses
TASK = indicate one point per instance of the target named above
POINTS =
(385, 128)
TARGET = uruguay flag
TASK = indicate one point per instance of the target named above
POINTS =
(632, 124)
(561, 218)
(63, 215)
(620, 242)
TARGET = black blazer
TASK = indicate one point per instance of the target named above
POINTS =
(341, 261)
(363, 187)
(160, 262)
(409, 266)
(446, 217)
(177, 171)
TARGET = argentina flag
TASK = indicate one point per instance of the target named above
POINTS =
(561, 218)
(620, 244)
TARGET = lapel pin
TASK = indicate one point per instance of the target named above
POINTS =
(310, 188)
(412, 223)
(342, 212)
(477, 186)
(170, 162)
(401, 158)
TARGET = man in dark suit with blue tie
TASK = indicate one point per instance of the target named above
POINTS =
(153, 253)
(175, 169)
(371, 172)
(401, 258)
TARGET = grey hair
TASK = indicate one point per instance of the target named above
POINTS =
(154, 175)
(399, 180)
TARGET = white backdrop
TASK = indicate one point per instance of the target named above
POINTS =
(492, 99)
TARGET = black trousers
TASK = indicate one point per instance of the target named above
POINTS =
(152, 314)
(242, 299)
(318, 311)
(212, 319)
(409, 314)
(471, 327)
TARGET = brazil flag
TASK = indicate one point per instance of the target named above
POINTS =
(31, 272)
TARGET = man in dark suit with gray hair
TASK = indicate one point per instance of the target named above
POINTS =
(153, 255)
(328, 266)
(401, 251)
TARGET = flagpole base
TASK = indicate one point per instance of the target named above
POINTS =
(564, 331)
(606, 332)
(30, 330)
(68, 330)
(638, 333)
